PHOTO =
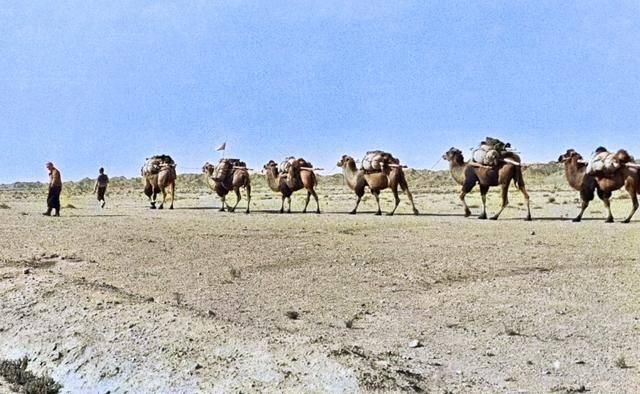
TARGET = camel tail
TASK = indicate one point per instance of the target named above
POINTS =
(402, 181)
(518, 179)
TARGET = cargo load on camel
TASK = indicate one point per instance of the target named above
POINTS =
(155, 164)
(294, 164)
(226, 168)
(604, 162)
(491, 153)
(377, 160)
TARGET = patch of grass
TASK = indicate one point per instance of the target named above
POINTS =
(551, 200)
(23, 381)
(4, 206)
(235, 273)
(621, 363)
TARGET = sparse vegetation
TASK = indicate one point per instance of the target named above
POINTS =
(23, 381)
(621, 363)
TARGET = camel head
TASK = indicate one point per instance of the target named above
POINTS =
(569, 155)
(346, 161)
(271, 166)
(453, 155)
(208, 168)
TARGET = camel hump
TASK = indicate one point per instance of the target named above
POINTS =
(605, 163)
(293, 163)
(490, 152)
(376, 160)
(154, 164)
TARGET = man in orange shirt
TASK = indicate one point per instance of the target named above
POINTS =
(55, 187)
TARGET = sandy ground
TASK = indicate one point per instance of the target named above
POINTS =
(193, 300)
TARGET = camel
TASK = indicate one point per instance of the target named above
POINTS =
(230, 175)
(468, 175)
(297, 178)
(390, 177)
(575, 169)
(159, 175)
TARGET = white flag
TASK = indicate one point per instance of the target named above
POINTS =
(222, 147)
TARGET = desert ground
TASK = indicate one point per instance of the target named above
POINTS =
(128, 299)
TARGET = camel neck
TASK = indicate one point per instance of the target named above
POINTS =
(272, 180)
(457, 171)
(350, 176)
(574, 173)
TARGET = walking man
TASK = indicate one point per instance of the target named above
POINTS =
(55, 187)
(101, 187)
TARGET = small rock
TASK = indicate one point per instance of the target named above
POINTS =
(293, 315)
(27, 271)
(533, 233)
(415, 344)
(197, 367)
(211, 313)
(149, 299)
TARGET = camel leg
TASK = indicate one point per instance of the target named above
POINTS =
(466, 189)
(148, 191)
(289, 204)
(164, 197)
(376, 194)
(238, 198)
(396, 197)
(606, 199)
(173, 194)
(306, 203)
(586, 196)
(585, 205)
(315, 197)
(483, 194)
(405, 188)
(505, 201)
(631, 189)
(223, 199)
(282, 206)
(526, 201)
(355, 209)
(248, 188)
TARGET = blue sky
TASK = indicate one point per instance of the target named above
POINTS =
(108, 83)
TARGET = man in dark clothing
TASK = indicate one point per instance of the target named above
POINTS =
(101, 187)
(55, 187)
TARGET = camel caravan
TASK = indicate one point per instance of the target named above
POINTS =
(493, 163)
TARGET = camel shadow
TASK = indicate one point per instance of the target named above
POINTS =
(196, 208)
(98, 216)
(563, 219)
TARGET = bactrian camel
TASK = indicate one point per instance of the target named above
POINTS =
(575, 169)
(468, 176)
(296, 179)
(228, 177)
(162, 179)
(390, 177)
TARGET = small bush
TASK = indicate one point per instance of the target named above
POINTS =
(23, 381)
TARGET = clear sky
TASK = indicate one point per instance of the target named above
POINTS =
(108, 83)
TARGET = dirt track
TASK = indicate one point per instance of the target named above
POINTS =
(194, 300)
